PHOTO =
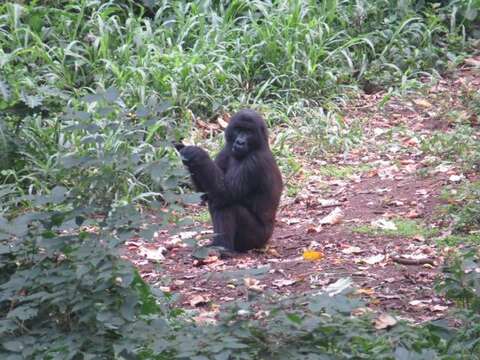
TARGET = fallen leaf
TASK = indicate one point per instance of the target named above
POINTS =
(291, 221)
(206, 318)
(352, 250)
(153, 254)
(418, 303)
(283, 282)
(223, 124)
(314, 229)
(335, 217)
(413, 214)
(422, 192)
(384, 224)
(422, 102)
(185, 235)
(387, 172)
(374, 259)
(443, 168)
(384, 321)
(419, 238)
(338, 286)
(360, 311)
(312, 255)
(472, 62)
(253, 284)
(198, 300)
(365, 291)
(411, 168)
(456, 178)
(273, 252)
(328, 202)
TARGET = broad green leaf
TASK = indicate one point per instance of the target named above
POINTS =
(22, 313)
(111, 94)
(32, 101)
(4, 90)
(15, 346)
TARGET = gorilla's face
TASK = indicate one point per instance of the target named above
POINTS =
(246, 134)
(243, 142)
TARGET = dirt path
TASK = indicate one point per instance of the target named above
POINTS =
(388, 210)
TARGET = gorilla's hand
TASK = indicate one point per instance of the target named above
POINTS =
(178, 145)
(192, 155)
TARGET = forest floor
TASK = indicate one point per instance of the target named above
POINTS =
(372, 216)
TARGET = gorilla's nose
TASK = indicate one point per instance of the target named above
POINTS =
(240, 142)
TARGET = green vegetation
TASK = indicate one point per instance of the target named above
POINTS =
(464, 207)
(458, 239)
(404, 228)
(461, 145)
(92, 93)
(343, 171)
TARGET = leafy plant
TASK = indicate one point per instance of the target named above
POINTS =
(404, 228)
(460, 279)
(460, 145)
(464, 207)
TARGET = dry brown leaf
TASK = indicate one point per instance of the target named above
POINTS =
(206, 318)
(384, 321)
(411, 168)
(439, 308)
(456, 178)
(412, 142)
(314, 229)
(153, 254)
(374, 259)
(283, 282)
(384, 224)
(328, 202)
(360, 311)
(413, 214)
(418, 303)
(365, 291)
(198, 300)
(352, 250)
(422, 102)
(253, 284)
(335, 217)
(474, 62)
(419, 238)
(273, 252)
(223, 124)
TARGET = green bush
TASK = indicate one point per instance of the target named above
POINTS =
(464, 207)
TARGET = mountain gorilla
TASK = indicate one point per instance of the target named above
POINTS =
(242, 186)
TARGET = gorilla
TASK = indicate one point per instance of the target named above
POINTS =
(242, 185)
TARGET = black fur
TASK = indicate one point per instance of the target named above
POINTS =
(243, 185)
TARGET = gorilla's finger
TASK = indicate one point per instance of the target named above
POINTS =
(178, 145)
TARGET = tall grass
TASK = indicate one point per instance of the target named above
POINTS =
(204, 56)
(200, 59)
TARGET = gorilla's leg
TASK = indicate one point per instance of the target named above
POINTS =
(236, 228)
(224, 226)
(250, 233)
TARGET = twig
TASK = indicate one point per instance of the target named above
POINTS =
(405, 261)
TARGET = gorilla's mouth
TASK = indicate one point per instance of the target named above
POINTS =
(239, 150)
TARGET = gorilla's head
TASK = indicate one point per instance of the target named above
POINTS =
(246, 133)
